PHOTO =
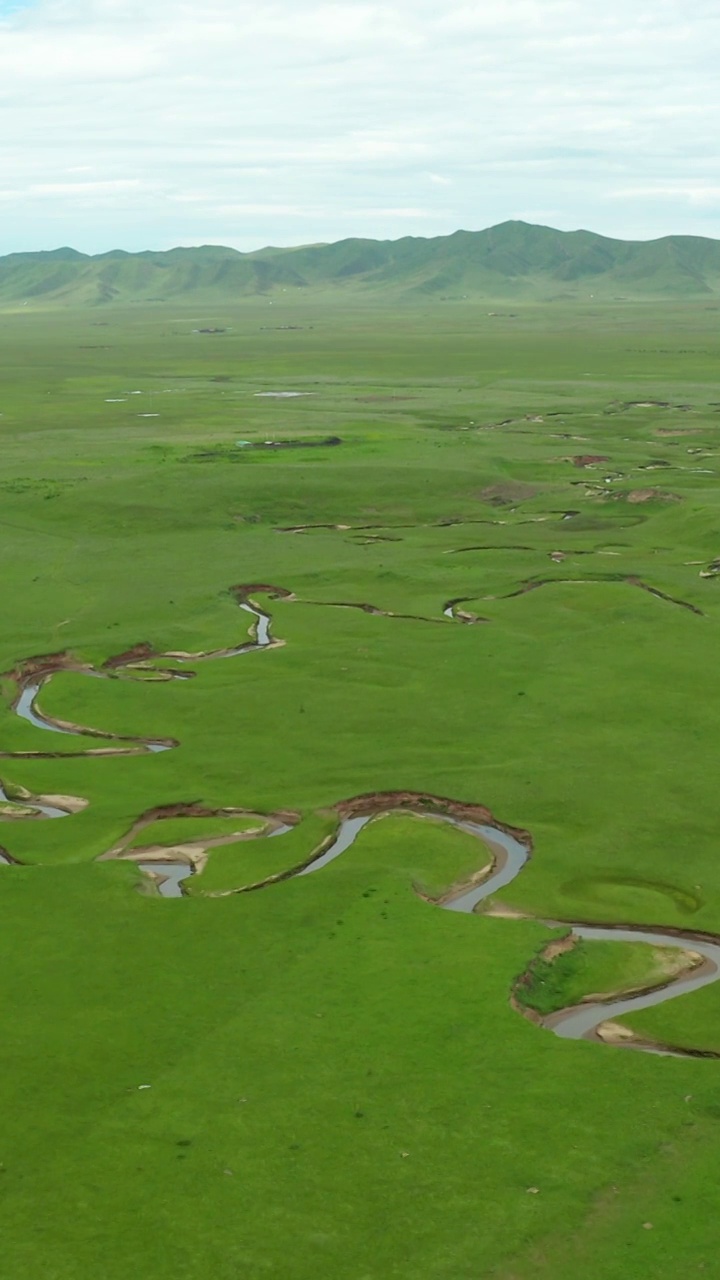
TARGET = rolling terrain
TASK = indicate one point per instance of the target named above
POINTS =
(515, 261)
(267, 572)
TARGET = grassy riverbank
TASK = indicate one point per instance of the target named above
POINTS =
(570, 971)
(338, 1082)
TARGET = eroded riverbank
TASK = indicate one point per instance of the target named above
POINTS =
(168, 865)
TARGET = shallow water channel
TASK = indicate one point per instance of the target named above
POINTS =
(26, 706)
(509, 856)
(50, 810)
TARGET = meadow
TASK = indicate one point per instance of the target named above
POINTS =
(327, 1076)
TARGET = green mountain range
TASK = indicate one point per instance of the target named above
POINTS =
(514, 260)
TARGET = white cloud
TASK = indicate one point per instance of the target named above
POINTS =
(699, 193)
(241, 119)
(83, 188)
(391, 213)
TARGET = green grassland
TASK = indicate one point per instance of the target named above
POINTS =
(338, 1083)
(512, 262)
(598, 969)
(180, 830)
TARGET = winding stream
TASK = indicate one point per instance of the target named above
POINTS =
(34, 802)
(509, 854)
(27, 708)
(582, 1021)
(509, 857)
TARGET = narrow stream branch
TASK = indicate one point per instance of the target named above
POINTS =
(509, 847)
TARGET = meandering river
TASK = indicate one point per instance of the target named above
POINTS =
(508, 853)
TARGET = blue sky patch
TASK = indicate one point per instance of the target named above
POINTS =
(128, 124)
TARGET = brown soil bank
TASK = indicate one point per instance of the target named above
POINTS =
(38, 667)
(636, 496)
(375, 802)
(588, 459)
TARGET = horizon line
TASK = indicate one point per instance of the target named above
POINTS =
(322, 244)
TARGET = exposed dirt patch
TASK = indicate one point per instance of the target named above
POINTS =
(39, 667)
(633, 496)
(507, 493)
(141, 652)
(587, 459)
(193, 855)
(193, 809)
(20, 803)
(71, 804)
(193, 849)
(375, 802)
(244, 590)
(560, 947)
(615, 1033)
(500, 912)
(636, 496)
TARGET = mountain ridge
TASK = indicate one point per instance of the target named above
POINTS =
(513, 260)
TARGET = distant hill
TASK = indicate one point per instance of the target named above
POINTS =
(513, 261)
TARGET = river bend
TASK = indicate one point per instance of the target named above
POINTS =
(509, 852)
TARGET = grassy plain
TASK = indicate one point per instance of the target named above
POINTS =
(338, 1084)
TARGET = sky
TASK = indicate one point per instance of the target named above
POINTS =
(142, 124)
